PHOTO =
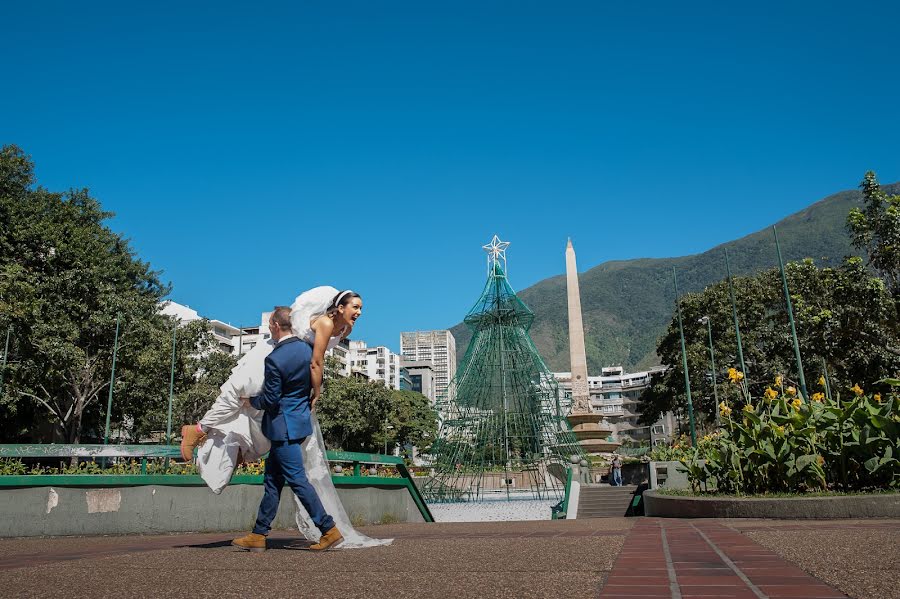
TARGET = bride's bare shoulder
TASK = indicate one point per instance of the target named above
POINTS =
(322, 324)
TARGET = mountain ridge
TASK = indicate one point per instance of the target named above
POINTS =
(626, 304)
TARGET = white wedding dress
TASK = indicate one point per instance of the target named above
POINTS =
(232, 428)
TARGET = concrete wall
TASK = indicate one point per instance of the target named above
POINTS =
(54, 511)
(876, 505)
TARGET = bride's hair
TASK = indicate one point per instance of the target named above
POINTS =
(341, 299)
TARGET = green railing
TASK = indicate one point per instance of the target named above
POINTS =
(143, 452)
(563, 510)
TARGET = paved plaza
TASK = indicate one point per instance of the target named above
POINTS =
(604, 557)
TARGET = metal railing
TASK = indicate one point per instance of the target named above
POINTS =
(144, 452)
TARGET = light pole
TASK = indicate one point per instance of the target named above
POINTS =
(687, 378)
(790, 311)
(5, 353)
(737, 328)
(112, 381)
(712, 358)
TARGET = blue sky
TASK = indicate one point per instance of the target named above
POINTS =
(253, 151)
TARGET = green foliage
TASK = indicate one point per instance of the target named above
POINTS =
(627, 304)
(64, 279)
(845, 318)
(359, 415)
(876, 229)
(353, 414)
(413, 419)
(784, 444)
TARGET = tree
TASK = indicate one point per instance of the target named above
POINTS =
(414, 420)
(142, 393)
(64, 279)
(876, 230)
(845, 317)
(353, 414)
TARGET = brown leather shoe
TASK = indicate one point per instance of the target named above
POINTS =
(252, 542)
(330, 539)
(191, 437)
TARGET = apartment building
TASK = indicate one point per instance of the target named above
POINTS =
(616, 395)
(437, 347)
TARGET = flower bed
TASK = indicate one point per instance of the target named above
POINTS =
(782, 443)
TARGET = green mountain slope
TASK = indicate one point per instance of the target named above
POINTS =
(626, 304)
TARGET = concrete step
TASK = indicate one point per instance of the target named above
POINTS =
(603, 501)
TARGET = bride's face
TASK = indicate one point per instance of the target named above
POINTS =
(350, 312)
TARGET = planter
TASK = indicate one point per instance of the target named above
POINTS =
(876, 505)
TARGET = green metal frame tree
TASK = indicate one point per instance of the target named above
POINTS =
(504, 414)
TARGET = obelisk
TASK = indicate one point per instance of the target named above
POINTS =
(581, 399)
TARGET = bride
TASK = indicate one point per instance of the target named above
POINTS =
(231, 433)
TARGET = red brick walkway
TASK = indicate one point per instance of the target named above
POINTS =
(684, 559)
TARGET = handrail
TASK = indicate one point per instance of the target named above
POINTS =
(565, 505)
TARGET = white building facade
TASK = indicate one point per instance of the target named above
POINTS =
(437, 347)
(616, 395)
(377, 363)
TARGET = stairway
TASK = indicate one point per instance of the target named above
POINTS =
(603, 501)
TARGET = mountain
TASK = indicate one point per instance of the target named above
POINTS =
(626, 304)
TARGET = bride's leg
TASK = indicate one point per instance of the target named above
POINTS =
(227, 404)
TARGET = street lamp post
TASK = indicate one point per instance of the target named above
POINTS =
(712, 358)
(737, 327)
(790, 311)
(112, 381)
(687, 378)
(5, 353)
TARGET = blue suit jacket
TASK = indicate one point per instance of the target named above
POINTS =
(285, 395)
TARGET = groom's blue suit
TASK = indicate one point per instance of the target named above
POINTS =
(286, 422)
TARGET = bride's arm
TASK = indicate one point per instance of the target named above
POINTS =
(323, 328)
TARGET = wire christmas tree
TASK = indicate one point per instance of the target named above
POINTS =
(503, 428)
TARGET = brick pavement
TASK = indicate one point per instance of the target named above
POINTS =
(589, 558)
(687, 559)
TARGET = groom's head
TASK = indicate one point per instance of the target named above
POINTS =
(280, 322)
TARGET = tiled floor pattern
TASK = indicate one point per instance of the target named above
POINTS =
(687, 559)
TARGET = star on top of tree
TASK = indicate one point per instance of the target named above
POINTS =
(496, 251)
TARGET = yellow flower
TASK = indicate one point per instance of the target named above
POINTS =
(735, 375)
(779, 430)
(791, 391)
(748, 408)
(820, 459)
(778, 381)
(877, 397)
(797, 403)
(818, 397)
(822, 381)
(857, 390)
(724, 410)
(771, 393)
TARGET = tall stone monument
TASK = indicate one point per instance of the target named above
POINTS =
(591, 432)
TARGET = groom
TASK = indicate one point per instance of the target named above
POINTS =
(286, 423)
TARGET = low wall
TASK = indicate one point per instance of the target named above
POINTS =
(876, 505)
(148, 509)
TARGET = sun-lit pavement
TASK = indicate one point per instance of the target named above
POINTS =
(580, 558)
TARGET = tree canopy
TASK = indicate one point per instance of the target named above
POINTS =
(66, 279)
(846, 319)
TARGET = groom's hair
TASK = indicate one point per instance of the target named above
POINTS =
(281, 315)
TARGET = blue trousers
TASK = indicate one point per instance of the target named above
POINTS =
(285, 464)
